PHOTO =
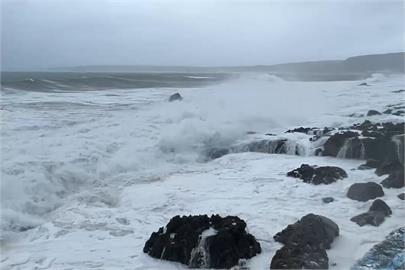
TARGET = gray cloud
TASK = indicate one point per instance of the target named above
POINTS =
(55, 33)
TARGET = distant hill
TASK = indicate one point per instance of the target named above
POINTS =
(352, 68)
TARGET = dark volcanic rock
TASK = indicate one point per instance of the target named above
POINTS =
(305, 243)
(328, 199)
(370, 164)
(387, 111)
(300, 130)
(380, 206)
(312, 230)
(398, 91)
(175, 97)
(363, 84)
(388, 167)
(365, 191)
(299, 257)
(388, 254)
(394, 180)
(203, 242)
(375, 215)
(336, 142)
(401, 196)
(318, 175)
(373, 112)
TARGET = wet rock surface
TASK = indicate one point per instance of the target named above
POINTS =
(375, 216)
(203, 242)
(313, 230)
(395, 179)
(328, 199)
(300, 257)
(388, 254)
(373, 112)
(305, 243)
(175, 97)
(401, 196)
(365, 191)
(318, 175)
(335, 143)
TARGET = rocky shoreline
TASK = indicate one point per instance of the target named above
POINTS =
(223, 242)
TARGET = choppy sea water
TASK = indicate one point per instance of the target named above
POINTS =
(88, 149)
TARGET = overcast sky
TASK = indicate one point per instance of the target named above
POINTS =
(40, 34)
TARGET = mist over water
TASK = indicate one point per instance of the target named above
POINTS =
(58, 144)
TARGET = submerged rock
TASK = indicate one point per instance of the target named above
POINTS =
(365, 191)
(373, 112)
(375, 215)
(328, 199)
(305, 243)
(318, 175)
(203, 242)
(175, 97)
(217, 153)
(388, 254)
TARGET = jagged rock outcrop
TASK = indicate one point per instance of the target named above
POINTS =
(335, 143)
(203, 242)
(305, 243)
(318, 175)
(268, 146)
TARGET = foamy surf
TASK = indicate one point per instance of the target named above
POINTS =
(75, 163)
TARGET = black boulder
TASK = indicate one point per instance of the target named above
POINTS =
(183, 241)
(365, 191)
(318, 175)
(375, 215)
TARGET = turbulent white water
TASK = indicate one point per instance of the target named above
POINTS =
(74, 163)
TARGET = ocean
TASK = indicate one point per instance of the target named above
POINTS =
(82, 152)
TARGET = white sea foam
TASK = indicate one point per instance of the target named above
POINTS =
(74, 162)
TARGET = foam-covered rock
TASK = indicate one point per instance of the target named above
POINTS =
(203, 242)
(334, 143)
(388, 254)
